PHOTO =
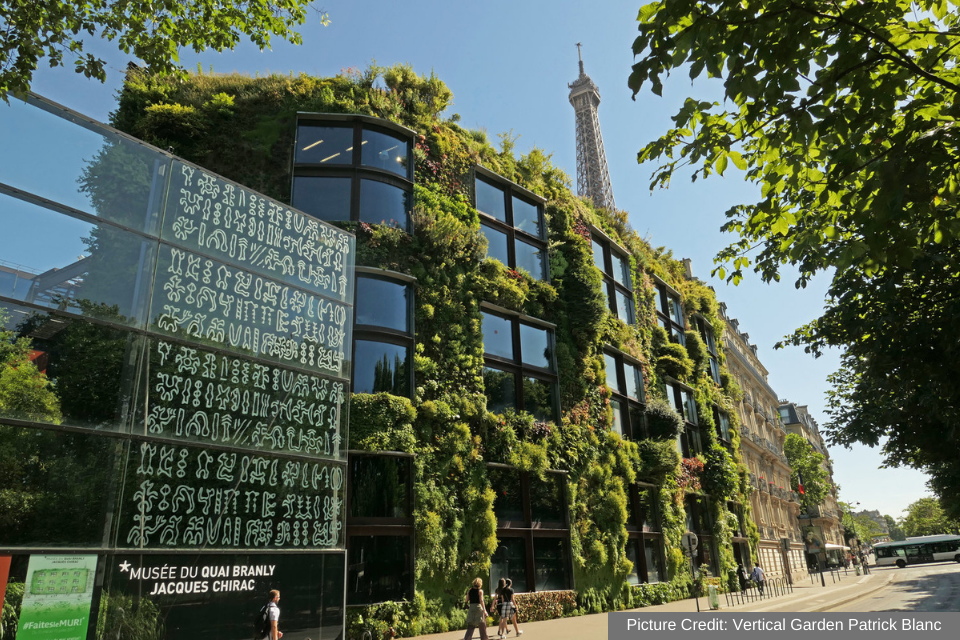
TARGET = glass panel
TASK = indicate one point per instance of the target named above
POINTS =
(322, 197)
(676, 310)
(724, 427)
(65, 371)
(648, 507)
(634, 381)
(535, 346)
(550, 564)
(501, 390)
(625, 308)
(530, 259)
(689, 406)
(621, 269)
(633, 556)
(380, 367)
(695, 444)
(58, 488)
(598, 256)
(196, 395)
(490, 200)
(678, 334)
(191, 497)
(637, 426)
(201, 299)
(379, 569)
(382, 303)
(324, 144)
(228, 222)
(690, 519)
(510, 561)
(87, 269)
(386, 152)
(605, 294)
(497, 336)
(610, 369)
(617, 410)
(206, 602)
(631, 511)
(526, 217)
(546, 498)
(378, 487)
(508, 504)
(80, 165)
(651, 548)
(382, 203)
(711, 343)
(496, 244)
(714, 370)
(539, 398)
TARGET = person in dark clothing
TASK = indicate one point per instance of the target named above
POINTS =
(510, 606)
(477, 613)
(742, 577)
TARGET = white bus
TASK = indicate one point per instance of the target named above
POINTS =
(918, 551)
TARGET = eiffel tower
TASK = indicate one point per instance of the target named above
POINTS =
(593, 177)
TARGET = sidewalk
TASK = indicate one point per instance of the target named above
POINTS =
(805, 597)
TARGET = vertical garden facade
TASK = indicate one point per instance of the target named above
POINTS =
(538, 393)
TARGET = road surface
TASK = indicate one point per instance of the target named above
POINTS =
(924, 587)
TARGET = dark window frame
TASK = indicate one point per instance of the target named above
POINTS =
(695, 504)
(374, 333)
(691, 437)
(665, 294)
(355, 170)
(516, 366)
(375, 527)
(726, 441)
(710, 341)
(610, 283)
(638, 532)
(529, 529)
(510, 191)
(630, 431)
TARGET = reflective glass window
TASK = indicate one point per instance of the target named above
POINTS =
(322, 197)
(384, 151)
(598, 256)
(714, 370)
(380, 367)
(383, 303)
(610, 368)
(535, 346)
(633, 556)
(497, 242)
(497, 336)
(648, 507)
(510, 561)
(550, 564)
(676, 310)
(724, 426)
(88, 269)
(526, 217)
(501, 390)
(70, 162)
(539, 398)
(546, 498)
(621, 269)
(491, 201)
(324, 144)
(651, 547)
(508, 503)
(378, 569)
(530, 259)
(56, 486)
(637, 421)
(689, 406)
(634, 380)
(382, 203)
(625, 310)
(617, 409)
(379, 487)
(79, 374)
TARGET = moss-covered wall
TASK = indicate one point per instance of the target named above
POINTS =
(243, 128)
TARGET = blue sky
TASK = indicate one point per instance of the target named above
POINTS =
(508, 65)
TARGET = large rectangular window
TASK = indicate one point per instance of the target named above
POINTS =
(625, 380)
(670, 312)
(512, 222)
(681, 397)
(644, 545)
(532, 528)
(520, 371)
(713, 361)
(614, 264)
(384, 338)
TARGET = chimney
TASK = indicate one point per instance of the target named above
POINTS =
(688, 268)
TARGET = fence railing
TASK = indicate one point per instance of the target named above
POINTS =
(772, 588)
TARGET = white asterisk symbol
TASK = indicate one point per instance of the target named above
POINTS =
(125, 566)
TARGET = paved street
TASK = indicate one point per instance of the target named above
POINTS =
(932, 587)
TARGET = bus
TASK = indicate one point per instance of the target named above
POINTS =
(918, 550)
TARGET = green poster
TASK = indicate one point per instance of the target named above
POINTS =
(56, 597)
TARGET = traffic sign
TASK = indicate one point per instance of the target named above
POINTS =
(689, 543)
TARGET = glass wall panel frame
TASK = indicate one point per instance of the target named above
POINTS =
(622, 390)
(670, 313)
(617, 281)
(375, 333)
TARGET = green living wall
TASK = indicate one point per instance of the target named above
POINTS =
(243, 128)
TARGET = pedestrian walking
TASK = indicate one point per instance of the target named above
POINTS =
(758, 577)
(742, 577)
(269, 618)
(477, 611)
(497, 606)
(511, 608)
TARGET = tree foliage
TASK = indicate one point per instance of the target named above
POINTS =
(893, 527)
(844, 113)
(806, 464)
(926, 517)
(154, 32)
